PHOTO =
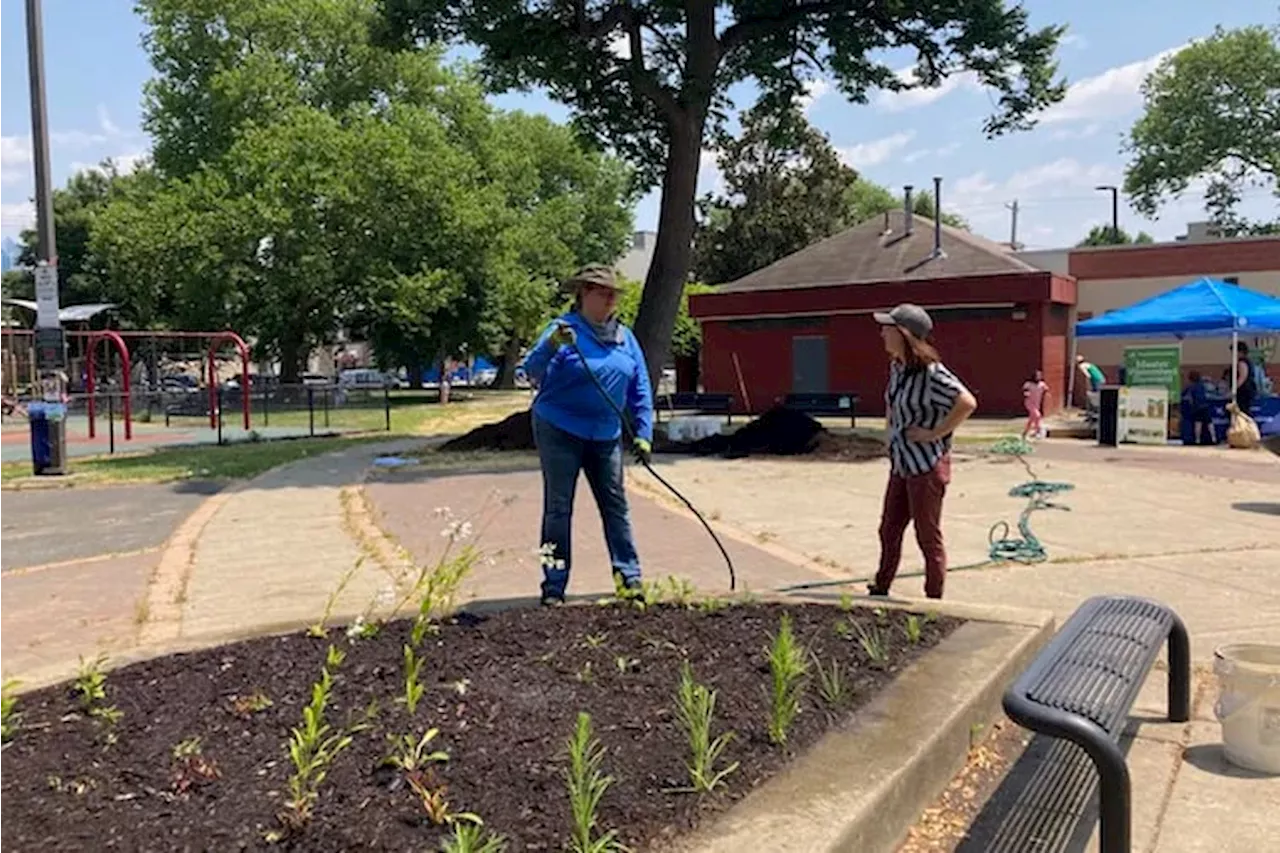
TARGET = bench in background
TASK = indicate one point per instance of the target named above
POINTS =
(825, 404)
(702, 404)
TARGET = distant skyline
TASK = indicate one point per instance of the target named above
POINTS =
(95, 69)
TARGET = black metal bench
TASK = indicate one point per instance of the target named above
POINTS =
(825, 404)
(1082, 684)
(702, 404)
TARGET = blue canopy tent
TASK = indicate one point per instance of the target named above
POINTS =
(1204, 308)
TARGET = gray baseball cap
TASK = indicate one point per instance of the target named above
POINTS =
(911, 318)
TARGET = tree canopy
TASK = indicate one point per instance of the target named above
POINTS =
(785, 188)
(650, 78)
(1212, 115)
(307, 180)
(1105, 235)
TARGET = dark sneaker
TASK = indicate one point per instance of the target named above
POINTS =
(876, 591)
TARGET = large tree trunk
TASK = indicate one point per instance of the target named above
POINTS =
(293, 359)
(673, 252)
(506, 378)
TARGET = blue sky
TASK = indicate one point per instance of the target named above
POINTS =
(95, 68)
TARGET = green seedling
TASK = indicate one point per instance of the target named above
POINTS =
(680, 591)
(626, 664)
(431, 796)
(413, 686)
(912, 629)
(472, 838)
(313, 746)
(412, 754)
(91, 682)
(788, 669)
(841, 629)
(873, 643)
(846, 601)
(695, 711)
(9, 715)
(711, 604)
(831, 683)
(585, 675)
(595, 641)
(586, 787)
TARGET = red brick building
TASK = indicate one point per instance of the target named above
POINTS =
(803, 324)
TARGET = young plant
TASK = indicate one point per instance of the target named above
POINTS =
(411, 754)
(9, 715)
(695, 710)
(413, 687)
(191, 767)
(846, 601)
(318, 628)
(831, 684)
(586, 786)
(873, 643)
(431, 796)
(246, 706)
(471, 838)
(595, 641)
(680, 591)
(313, 747)
(912, 629)
(788, 668)
(91, 683)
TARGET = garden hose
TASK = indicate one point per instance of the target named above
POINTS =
(1002, 548)
(630, 433)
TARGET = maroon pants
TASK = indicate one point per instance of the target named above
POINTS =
(915, 500)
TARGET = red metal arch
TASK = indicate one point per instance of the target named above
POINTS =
(111, 336)
(219, 338)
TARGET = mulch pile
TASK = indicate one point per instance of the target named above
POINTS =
(503, 690)
(514, 432)
(778, 432)
(783, 432)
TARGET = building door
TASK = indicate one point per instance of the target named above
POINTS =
(809, 365)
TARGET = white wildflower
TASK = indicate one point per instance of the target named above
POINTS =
(356, 629)
(457, 530)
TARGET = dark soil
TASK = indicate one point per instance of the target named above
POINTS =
(503, 690)
(514, 432)
(778, 432)
(783, 432)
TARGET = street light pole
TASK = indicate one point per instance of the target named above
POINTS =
(1115, 210)
(48, 249)
(48, 421)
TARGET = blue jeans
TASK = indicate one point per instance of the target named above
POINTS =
(562, 456)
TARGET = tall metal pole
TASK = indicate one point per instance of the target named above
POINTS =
(40, 135)
(1115, 209)
(1013, 225)
(48, 421)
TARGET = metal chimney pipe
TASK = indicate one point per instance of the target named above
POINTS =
(937, 217)
(906, 210)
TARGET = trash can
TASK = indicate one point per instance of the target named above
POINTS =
(48, 437)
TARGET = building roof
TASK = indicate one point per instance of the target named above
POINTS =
(869, 253)
(69, 314)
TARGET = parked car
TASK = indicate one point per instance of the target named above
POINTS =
(368, 378)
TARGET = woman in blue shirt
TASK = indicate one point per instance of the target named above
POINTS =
(576, 429)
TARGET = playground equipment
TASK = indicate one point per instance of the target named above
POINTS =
(118, 340)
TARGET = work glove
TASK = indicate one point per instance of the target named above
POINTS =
(643, 450)
(563, 336)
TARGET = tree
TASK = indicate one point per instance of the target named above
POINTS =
(75, 207)
(651, 78)
(1104, 235)
(1212, 113)
(785, 188)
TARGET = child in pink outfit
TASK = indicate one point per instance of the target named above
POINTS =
(1033, 393)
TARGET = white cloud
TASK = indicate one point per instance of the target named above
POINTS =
(1065, 176)
(125, 163)
(109, 127)
(935, 153)
(1079, 42)
(877, 151)
(15, 159)
(15, 217)
(1114, 92)
(813, 91)
(911, 99)
(1078, 133)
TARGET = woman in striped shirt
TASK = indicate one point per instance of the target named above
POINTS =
(924, 404)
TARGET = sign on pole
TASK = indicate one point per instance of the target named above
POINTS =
(47, 297)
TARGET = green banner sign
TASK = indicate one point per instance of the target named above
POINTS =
(1154, 367)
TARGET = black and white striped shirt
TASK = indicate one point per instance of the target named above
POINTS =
(920, 398)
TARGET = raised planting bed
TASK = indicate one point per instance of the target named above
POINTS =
(191, 752)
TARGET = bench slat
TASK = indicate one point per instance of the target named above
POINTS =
(1099, 674)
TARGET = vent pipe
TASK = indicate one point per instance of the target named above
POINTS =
(937, 218)
(906, 210)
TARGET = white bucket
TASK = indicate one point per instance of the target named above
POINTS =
(1248, 704)
(691, 428)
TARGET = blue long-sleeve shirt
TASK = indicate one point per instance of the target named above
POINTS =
(568, 399)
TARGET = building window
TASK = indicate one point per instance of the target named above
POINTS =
(1084, 315)
(1232, 279)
